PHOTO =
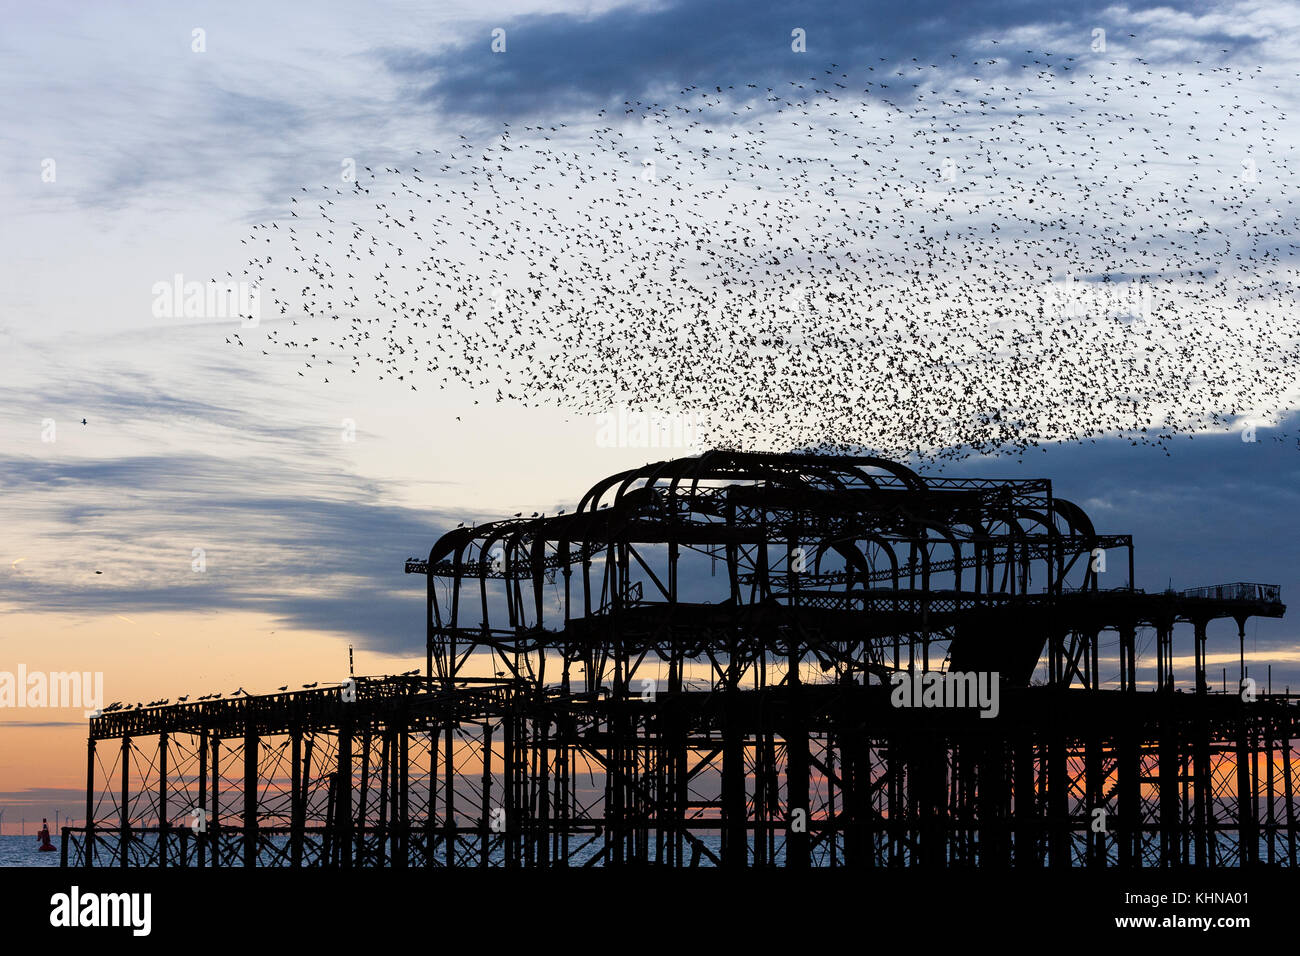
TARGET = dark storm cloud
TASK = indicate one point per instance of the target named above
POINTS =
(554, 61)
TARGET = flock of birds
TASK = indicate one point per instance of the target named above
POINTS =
(927, 260)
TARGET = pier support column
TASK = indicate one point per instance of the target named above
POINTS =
(343, 797)
(798, 843)
(162, 799)
(298, 807)
(1026, 804)
(1171, 821)
(124, 824)
(214, 817)
(1202, 685)
(735, 848)
(1247, 825)
(1128, 753)
(250, 794)
(90, 801)
(1127, 657)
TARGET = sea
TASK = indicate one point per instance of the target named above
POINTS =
(21, 851)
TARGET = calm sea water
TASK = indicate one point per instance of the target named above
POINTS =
(21, 851)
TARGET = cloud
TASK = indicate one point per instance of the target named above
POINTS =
(186, 464)
(554, 62)
(317, 549)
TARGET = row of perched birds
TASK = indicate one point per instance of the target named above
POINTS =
(217, 695)
(926, 260)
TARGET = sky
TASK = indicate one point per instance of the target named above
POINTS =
(219, 521)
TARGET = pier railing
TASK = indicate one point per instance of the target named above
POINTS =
(1238, 591)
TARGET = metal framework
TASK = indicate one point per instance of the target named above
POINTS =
(699, 666)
